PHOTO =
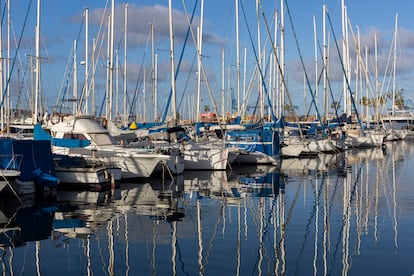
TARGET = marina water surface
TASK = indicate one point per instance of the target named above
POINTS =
(345, 214)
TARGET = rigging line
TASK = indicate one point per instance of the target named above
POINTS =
(214, 103)
(97, 54)
(320, 75)
(68, 72)
(249, 90)
(282, 75)
(3, 13)
(324, 70)
(304, 68)
(164, 115)
(25, 70)
(258, 96)
(86, 89)
(17, 50)
(346, 77)
(362, 65)
(140, 77)
(257, 61)
(186, 83)
(72, 63)
(102, 105)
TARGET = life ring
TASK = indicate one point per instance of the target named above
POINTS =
(55, 118)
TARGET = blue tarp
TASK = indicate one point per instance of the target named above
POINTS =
(265, 141)
(36, 162)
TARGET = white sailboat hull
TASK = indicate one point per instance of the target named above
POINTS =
(369, 140)
(207, 156)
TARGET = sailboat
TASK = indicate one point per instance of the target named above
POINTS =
(255, 146)
(356, 134)
(198, 154)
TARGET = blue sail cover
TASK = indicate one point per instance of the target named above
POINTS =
(36, 162)
(265, 141)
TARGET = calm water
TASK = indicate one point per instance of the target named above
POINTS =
(349, 214)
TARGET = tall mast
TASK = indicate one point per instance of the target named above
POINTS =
(93, 76)
(173, 105)
(343, 52)
(366, 86)
(222, 83)
(125, 66)
(155, 88)
(316, 59)
(275, 79)
(111, 60)
(37, 80)
(282, 59)
(395, 65)
(199, 48)
(376, 80)
(259, 47)
(244, 72)
(116, 67)
(75, 81)
(348, 64)
(345, 55)
(154, 116)
(7, 109)
(2, 74)
(358, 70)
(237, 58)
(325, 65)
(144, 96)
(108, 67)
(86, 95)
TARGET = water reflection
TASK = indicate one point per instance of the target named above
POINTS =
(334, 214)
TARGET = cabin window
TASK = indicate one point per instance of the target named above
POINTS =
(74, 136)
(102, 139)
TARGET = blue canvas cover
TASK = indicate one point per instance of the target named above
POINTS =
(37, 162)
(265, 141)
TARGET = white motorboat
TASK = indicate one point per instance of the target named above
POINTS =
(134, 162)
(76, 173)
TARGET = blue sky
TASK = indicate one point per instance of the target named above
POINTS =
(61, 24)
